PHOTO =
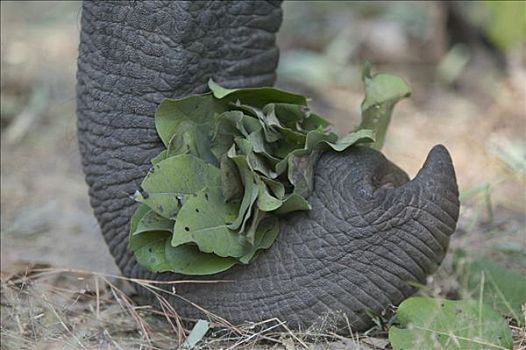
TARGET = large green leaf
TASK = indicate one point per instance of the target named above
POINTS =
(201, 220)
(154, 252)
(502, 288)
(191, 138)
(171, 180)
(257, 97)
(430, 323)
(149, 250)
(382, 92)
(189, 260)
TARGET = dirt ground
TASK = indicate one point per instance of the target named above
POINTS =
(46, 220)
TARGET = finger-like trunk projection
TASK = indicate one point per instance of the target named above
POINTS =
(371, 232)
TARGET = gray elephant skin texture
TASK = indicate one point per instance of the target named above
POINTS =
(371, 232)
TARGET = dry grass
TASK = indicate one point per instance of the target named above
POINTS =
(49, 308)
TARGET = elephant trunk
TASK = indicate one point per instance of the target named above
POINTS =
(371, 234)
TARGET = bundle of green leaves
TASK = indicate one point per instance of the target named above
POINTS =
(234, 162)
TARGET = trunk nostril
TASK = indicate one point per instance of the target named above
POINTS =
(388, 181)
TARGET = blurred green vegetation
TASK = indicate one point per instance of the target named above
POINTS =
(506, 23)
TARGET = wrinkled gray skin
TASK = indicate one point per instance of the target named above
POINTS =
(370, 232)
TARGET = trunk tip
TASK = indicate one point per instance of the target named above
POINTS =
(438, 170)
(439, 162)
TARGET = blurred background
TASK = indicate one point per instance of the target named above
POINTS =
(465, 62)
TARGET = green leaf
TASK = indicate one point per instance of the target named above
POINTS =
(161, 156)
(151, 221)
(446, 324)
(277, 188)
(250, 191)
(301, 172)
(201, 220)
(191, 138)
(314, 138)
(257, 97)
(149, 250)
(154, 252)
(189, 260)
(138, 214)
(266, 201)
(231, 181)
(261, 147)
(265, 234)
(165, 204)
(269, 132)
(502, 289)
(197, 333)
(289, 115)
(315, 122)
(293, 202)
(196, 111)
(171, 180)
(227, 127)
(185, 125)
(382, 92)
(255, 162)
(359, 136)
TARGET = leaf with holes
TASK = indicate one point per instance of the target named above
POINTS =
(170, 181)
(201, 221)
